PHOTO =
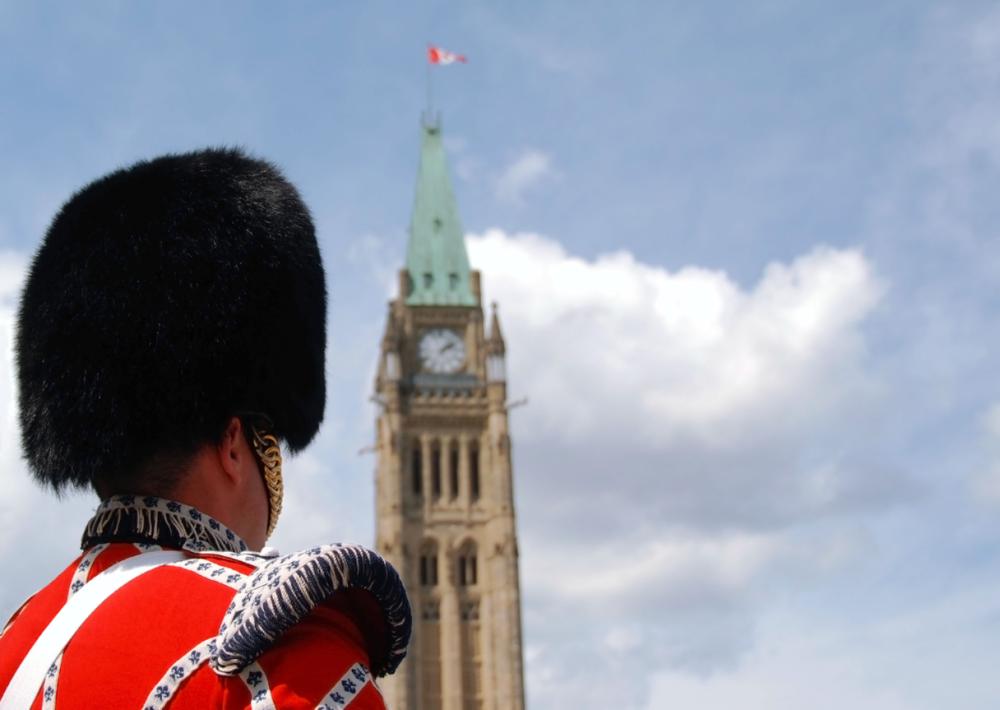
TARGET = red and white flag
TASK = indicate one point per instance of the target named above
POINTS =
(436, 55)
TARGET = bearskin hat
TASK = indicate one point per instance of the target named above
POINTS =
(166, 298)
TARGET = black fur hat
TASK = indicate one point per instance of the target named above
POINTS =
(166, 298)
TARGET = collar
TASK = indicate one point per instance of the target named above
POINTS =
(158, 521)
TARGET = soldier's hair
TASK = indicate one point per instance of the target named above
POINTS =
(166, 298)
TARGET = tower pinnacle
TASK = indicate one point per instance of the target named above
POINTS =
(436, 259)
(496, 343)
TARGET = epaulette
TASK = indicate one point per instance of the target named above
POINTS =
(285, 589)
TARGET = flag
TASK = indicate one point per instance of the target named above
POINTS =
(436, 55)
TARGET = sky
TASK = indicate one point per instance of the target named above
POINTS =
(745, 256)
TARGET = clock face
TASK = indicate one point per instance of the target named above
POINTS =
(442, 351)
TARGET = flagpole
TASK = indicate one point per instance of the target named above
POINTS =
(430, 94)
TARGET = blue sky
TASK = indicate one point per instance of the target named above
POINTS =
(745, 256)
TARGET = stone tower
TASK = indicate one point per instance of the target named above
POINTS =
(444, 489)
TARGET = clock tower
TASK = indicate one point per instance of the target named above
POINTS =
(444, 485)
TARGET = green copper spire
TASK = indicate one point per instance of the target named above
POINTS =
(436, 256)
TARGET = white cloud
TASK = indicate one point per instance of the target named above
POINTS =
(614, 348)
(684, 433)
(895, 661)
(675, 569)
(523, 174)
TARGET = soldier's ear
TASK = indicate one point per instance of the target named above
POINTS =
(233, 449)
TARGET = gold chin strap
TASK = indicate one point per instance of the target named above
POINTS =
(265, 445)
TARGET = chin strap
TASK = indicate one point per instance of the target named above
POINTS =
(265, 445)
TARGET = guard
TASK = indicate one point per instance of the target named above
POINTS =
(170, 342)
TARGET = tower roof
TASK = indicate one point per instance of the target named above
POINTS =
(436, 257)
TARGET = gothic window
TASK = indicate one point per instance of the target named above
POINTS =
(428, 279)
(416, 467)
(474, 472)
(453, 281)
(428, 565)
(469, 611)
(468, 574)
(431, 611)
(429, 570)
(436, 471)
(453, 469)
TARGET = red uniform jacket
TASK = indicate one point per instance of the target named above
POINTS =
(217, 629)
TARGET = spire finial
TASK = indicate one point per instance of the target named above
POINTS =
(496, 335)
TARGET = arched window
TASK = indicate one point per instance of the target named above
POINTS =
(468, 572)
(474, 472)
(417, 467)
(428, 564)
